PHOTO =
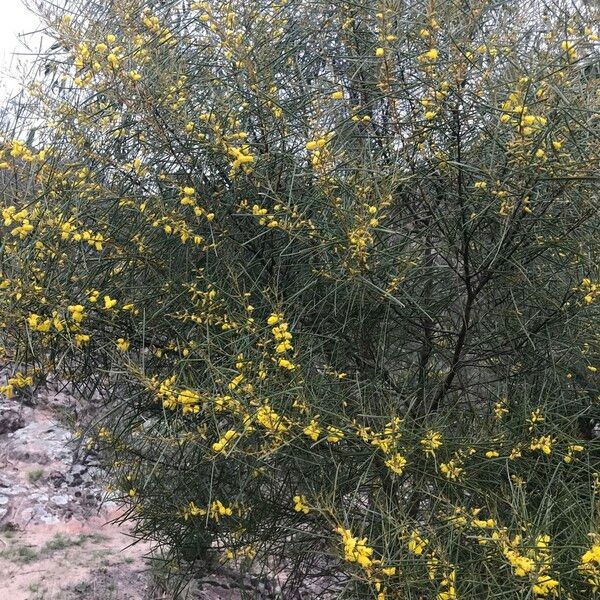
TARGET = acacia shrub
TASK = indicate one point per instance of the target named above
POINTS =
(333, 267)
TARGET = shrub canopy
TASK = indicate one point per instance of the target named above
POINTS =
(333, 267)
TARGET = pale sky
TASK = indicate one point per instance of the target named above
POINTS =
(15, 20)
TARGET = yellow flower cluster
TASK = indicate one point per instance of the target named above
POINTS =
(590, 289)
(500, 408)
(572, 449)
(171, 397)
(431, 442)
(242, 157)
(188, 198)
(20, 220)
(417, 543)
(448, 586)
(430, 56)
(542, 443)
(452, 469)
(318, 149)
(313, 430)
(569, 48)
(300, 504)
(215, 511)
(396, 463)
(264, 217)
(360, 239)
(283, 339)
(334, 434)
(532, 562)
(271, 421)
(517, 114)
(17, 381)
(225, 440)
(69, 231)
(589, 567)
(356, 550)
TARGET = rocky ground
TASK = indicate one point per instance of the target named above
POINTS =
(56, 539)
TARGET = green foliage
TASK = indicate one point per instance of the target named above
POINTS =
(331, 268)
(35, 475)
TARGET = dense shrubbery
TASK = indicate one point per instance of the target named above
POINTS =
(334, 267)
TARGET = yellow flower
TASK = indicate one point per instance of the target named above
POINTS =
(431, 442)
(191, 510)
(81, 339)
(356, 550)
(500, 408)
(315, 145)
(535, 417)
(235, 382)
(448, 584)
(77, 313)
(334, 434)
(283, 347)
(123, 344)
(416, 543)
(521, 564)
(271, 420)
(379, 52)
(300, 504)
(383, 443)
(484, 523)
(242, 157)
(429, 56)
(284, 363)
(452, 469)
(396, 463)
(113, 61)
(228, 436)
(543, 443)
(571, 450)
(109, 302)
(515, 453)
(189, 401)
(589, 567)
(569, 47)
(218, 509)
(544, 585)
(312, 430)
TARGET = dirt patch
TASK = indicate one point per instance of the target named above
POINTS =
(72, 559)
